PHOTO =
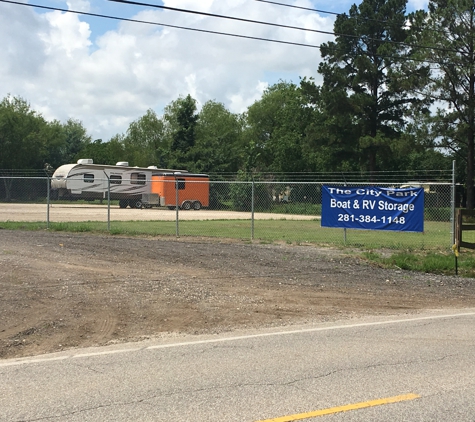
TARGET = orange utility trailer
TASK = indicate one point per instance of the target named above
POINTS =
(192, 189)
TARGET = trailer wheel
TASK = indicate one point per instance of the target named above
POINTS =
(196, 205)
(138, 204)
(123, 203)
(186, 205)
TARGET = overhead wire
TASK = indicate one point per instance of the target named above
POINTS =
(213, 15)
(276, 3)
(129, 2)
(98, 15)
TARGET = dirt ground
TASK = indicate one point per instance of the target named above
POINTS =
(61, 291)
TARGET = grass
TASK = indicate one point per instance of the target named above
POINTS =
(435, 237)
(426, 252)
(427, 262)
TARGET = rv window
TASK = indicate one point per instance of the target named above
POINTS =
(115, 179)
(138, 178)
(88, 178)
(181, 184)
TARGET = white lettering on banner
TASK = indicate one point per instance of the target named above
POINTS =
(339, 204)
(340, 191)
(399, 193)
(368, 205)
(388, 206)
(371, 192)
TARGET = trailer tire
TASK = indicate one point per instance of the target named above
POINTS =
(186, 205)
(196, 205)
(123, 203)
(138, 204)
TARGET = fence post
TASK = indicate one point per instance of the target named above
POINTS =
(177, 232)
(47, 200)
(108, 202)
(452, 203)
(252, 211)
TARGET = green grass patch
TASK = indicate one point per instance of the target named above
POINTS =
(428, 262)
(436, 236)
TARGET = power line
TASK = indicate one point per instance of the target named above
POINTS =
(333, 13)
(97, 15)
(213, 15)
(222, 33)
(300, 7)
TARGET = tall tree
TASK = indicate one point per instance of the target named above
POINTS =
(276, 125)
(362, 81)
(181, 117)
(218, 139)
(447, 41)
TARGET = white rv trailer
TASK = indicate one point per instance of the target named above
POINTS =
(86, 180)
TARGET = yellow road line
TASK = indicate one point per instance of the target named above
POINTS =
(346, 408)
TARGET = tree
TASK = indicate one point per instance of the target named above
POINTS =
(218, 139)
(277, 124)
(145, 143)
(100, 152)
(75, 139)
(181, 117)
(26, 139)
(362, 79)
(446, 37)
(21, 135)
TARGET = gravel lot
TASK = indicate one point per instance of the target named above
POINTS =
(81, 212)
(61, 291)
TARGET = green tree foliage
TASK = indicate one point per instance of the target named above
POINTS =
(218, 140)
(75, 139)
(277, 124)
(22, 135)
(145, 144)
(27, 140)
(331, 135)
(362, 81)
(181, 117)
(100, 152)
(446, 35)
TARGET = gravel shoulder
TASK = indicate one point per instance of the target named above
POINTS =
(61, 291)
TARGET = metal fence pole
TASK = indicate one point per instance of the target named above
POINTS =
(47, 200)
(108, 202)
(108, 205)
(252, 211)
(452, 203)
(177, 229)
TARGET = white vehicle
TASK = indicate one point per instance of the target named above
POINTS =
(86, 180)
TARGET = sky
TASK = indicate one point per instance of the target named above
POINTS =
(107, 73)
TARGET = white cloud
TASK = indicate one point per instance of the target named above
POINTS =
(79, 5)
(57, 62)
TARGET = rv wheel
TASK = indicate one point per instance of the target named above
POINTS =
(123, 203)
(186, 205)
(138, 204)
(197, 205)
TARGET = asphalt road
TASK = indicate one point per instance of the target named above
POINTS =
(260, 375)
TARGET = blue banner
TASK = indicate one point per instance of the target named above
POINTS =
(373, 208)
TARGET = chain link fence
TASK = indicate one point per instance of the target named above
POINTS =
(256, 210)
